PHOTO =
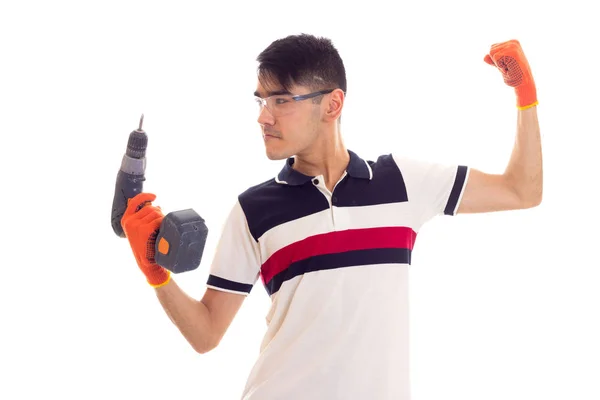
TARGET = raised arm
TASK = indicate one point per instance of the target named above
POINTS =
(520, 186)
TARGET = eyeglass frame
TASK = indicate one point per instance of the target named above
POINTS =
(296, 98)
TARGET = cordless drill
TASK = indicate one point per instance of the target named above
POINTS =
(182, 234)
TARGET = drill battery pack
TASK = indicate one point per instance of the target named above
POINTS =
(180, 241)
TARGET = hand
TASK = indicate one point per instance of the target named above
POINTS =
(509, 58)
(141, 223)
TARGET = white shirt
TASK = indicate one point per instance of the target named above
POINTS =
(336, 267)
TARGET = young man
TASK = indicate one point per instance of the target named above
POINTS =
(331, 235)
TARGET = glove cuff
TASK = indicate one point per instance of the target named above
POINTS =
(158, 276)
(528, 106)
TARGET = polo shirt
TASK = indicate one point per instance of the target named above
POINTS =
(336, 267)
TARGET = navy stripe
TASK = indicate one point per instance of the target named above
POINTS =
(229, 285)
(271, 204)
(386, 186)
(339, 260)
(459, 182)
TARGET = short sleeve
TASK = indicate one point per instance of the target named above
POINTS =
(434, 188)
(236, 265)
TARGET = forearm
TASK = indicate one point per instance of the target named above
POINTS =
(524, 169)
(191, 316)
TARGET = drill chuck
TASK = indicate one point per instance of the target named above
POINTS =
(137, 143)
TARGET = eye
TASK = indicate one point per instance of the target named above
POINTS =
(281, 100)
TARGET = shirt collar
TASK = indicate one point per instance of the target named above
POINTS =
(357, 168)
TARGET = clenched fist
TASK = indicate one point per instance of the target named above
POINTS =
(141, 223)
(509, 58)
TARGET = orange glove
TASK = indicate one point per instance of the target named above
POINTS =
(509, 58)
(141, 222)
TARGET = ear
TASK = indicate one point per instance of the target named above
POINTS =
(335, 104)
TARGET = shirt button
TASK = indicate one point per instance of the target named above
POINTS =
(316, 181)
(334, 200)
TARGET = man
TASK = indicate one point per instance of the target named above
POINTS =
(331, 235)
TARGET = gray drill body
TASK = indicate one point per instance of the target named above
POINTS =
(130, 182)
(184, 230)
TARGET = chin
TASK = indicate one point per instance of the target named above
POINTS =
(276, 154)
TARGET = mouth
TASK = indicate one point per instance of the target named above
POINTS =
(268, 136)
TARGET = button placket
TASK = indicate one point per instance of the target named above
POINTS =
(317, 183)
(334, 199)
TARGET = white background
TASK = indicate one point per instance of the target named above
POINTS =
(503, 306)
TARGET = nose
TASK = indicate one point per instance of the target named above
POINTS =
(265, 117)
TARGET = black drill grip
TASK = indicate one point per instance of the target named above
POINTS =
(127, 187)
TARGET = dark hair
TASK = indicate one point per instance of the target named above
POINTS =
(303, 60)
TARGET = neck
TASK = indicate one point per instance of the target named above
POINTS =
(328, 157)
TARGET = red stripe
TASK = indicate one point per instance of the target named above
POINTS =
(337, 242)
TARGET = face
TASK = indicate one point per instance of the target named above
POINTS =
(289, 127)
